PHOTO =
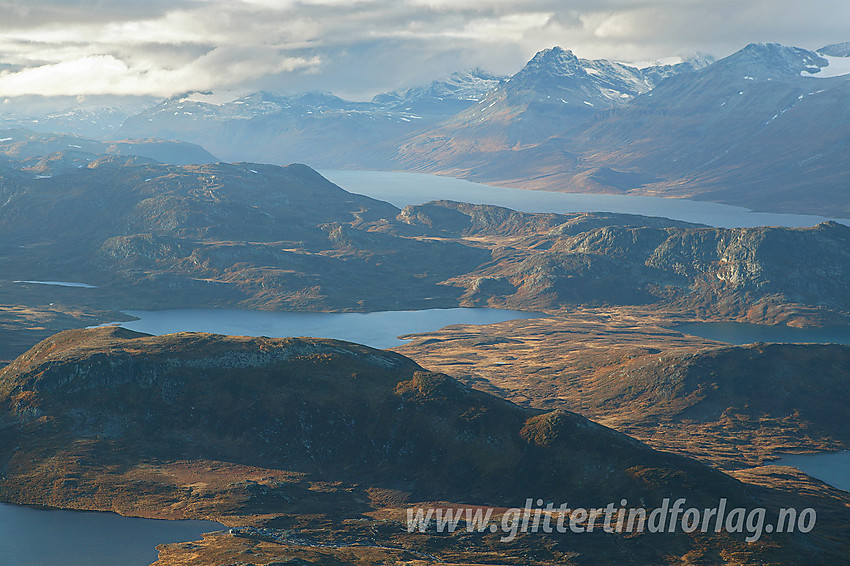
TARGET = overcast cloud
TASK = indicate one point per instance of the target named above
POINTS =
(358, 48)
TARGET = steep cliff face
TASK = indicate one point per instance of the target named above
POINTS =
(806, 265)
(544, 260)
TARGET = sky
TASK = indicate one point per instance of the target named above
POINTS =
(358, 48)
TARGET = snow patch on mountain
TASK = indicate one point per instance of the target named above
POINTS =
(469, 86)
(837, 67)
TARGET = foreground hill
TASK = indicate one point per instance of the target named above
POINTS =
(317, 406)
(174, 425)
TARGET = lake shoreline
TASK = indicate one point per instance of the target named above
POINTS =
(384, 185)
(88, 537)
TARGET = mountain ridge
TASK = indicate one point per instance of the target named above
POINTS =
(755, 129)
(262, 236)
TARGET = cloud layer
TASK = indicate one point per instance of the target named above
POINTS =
(360, 47)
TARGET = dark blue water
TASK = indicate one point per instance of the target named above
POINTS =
(830, 467)
(375, 329)
(744, 333)
(38, 537)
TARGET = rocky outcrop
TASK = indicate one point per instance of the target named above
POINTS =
(620, 259)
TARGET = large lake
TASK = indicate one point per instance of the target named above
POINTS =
(830, 467)
(402, 189)
(744, 333)
(376, 329)
(38, 537)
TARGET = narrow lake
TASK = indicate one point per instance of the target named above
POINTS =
(744, 333)
(402, 189)
(375, 329)
(60, 284)
(39, 537)
(830, 467)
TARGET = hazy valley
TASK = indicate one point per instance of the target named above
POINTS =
(763, 128)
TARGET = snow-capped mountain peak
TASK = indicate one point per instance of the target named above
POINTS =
(461, 87)
(770, 61)
(557, 75)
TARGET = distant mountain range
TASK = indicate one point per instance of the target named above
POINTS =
(765, 127)
(317, 128)
(756, 129)
(98, 117)
(326, 131)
